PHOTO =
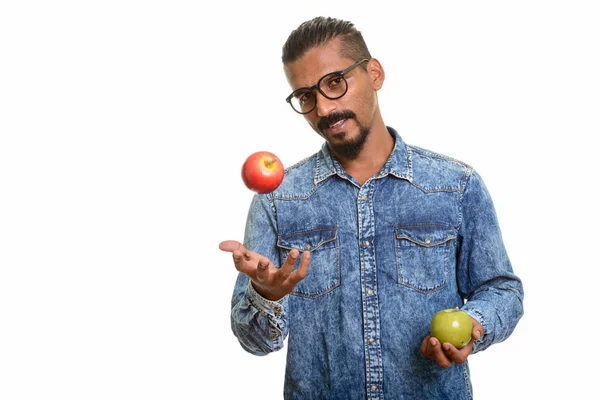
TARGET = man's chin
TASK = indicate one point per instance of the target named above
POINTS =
(338, 137)
(345, 146)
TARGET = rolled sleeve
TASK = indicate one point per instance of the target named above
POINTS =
(259, 324)
(275, 311)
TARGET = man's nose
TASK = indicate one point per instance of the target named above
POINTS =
(324, 105)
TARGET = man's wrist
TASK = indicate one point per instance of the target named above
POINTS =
(274, 307)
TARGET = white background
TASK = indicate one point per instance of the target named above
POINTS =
(123, 128)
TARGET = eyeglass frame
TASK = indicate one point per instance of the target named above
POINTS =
(317, 86)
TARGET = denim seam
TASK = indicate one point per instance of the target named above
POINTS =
(377, 330)
(318, 181)
(412, 286)
(378, 316)
(446, 261)
(322, 242)
(274, 211)
(421, 225)
(409, 160)
(361, 263)
(295, 197)
(274, 321)
(464, 182)
(415, 241)
(467, 380)
(320, 158)
(432, 154)
(436, 189)
(300, 163)
(257, 301)
(336, 281)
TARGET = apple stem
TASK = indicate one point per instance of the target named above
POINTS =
(268, 163)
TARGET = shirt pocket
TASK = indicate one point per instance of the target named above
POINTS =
(423, 255)
(324, 271)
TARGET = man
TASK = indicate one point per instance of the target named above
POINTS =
(364, 241)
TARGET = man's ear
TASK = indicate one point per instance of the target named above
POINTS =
(376, 73)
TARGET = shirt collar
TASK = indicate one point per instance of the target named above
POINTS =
(399, 164)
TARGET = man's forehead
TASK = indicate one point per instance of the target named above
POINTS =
(315, 63)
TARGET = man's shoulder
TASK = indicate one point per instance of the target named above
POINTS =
(441, 160)
(304, 166)
(436, 171)
(298, 179)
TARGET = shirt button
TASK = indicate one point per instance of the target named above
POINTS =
(307, 247)
(366, 243)
(374, 388)
(365, 197)
(427, 241)
(369, 292)
(277, 310)
(371, 341)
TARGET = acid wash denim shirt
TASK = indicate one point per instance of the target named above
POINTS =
(419, 236)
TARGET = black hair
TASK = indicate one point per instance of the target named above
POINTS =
(320, 30)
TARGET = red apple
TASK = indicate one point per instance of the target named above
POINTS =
(262, 172)
(452, 325)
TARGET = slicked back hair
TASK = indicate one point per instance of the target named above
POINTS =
(320, 30)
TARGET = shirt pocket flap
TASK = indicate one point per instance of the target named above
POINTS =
(426, 235)
(309, 240)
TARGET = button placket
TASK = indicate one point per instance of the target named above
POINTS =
(368, 271)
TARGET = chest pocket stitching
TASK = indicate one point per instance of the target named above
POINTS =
(318, 236)
(422, 260)
(324, 271)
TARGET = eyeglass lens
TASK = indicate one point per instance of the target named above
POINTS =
(332, 86)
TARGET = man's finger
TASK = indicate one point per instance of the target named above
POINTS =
(290, 261)
(262, 270)
(477, 333)
(424, 345)
(230, 245)
(302, 270)
(242, 260)
(436, 352)
(478, 330)
(456, 355)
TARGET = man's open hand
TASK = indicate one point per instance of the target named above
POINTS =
(269, 281)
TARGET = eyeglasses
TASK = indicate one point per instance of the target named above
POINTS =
(332, 86)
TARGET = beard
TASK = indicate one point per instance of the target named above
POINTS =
(349, 149)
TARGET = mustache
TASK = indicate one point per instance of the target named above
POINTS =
(334, 117)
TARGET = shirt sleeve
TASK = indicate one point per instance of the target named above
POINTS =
(493, 293)
(259, 324)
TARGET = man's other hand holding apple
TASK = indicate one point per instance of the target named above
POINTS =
(445, 354)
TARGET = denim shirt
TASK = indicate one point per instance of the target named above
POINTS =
(419, 236)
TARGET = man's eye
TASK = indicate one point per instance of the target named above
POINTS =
(334, 81)
(304, 97)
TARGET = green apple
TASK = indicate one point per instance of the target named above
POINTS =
(452, 325)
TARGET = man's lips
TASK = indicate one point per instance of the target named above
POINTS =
(340, 122)
(335, 120)
(338, 126)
